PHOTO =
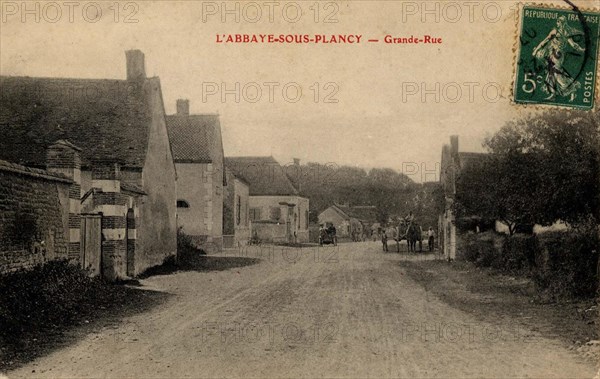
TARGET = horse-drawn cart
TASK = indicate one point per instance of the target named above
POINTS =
(327, 235)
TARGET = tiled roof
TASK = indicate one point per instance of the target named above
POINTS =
(195, 138)
(234, 176)
(365, 213)
(264, 175)
(108, 119)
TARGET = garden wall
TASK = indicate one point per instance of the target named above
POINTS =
(34, 217)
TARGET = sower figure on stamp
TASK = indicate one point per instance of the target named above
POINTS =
(551, 53)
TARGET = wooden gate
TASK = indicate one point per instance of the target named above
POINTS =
(91, 243)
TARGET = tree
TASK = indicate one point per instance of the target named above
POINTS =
(325, 185)
(496, 188)
(562, 149)
(540, 169)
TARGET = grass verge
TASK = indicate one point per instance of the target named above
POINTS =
(199, 262)
(52, 305)
(494, 297)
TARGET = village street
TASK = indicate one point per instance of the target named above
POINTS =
(349, 311)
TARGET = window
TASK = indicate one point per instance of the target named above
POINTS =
(306, 220)
(275, 213)
(255, 214)
(182, 204)
(238, 216)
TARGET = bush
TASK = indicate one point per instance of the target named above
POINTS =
(480, 248)
(518, 253)
(568, 264)
(186, 247)
(46, 296)
(38, 306)
(561, 264)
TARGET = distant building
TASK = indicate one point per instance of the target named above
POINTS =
(109, 138)
(198, 154)
(236, 211)
(277, 212)
(350, 219)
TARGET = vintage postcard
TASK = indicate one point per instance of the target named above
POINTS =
(299, 189)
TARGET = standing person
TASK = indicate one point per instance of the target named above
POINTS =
(395, 237)
(431, 237)
(410, 241)
(384, 239)
(333, 233)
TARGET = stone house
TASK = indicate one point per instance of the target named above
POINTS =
(452, 162)
(198, 154)
(236, 211)
(113, 145)
(277, 211)
(349, 219)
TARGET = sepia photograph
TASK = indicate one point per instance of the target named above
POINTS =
(299, 189)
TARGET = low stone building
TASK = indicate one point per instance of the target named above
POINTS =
(198, 154)
(349, 220)
(113, 145)
(277, 212)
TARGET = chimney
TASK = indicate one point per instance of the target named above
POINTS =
(296, 161)
(136, 67)
(183, 107)
(454, 144)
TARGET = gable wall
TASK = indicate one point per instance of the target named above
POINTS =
(157, 229)
(194, 185)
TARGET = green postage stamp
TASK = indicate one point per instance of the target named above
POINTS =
(557, 61)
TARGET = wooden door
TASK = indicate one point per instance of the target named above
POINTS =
(91, 243)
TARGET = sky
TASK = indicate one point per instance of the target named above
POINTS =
(369, 110)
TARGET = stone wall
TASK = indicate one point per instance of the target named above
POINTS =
(298, 218)
(34, 217)
(270, 232)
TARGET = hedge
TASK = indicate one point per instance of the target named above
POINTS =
(561, 264)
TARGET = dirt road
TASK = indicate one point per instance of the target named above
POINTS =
(348, 311)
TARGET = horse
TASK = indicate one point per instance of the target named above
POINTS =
(413, 235)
